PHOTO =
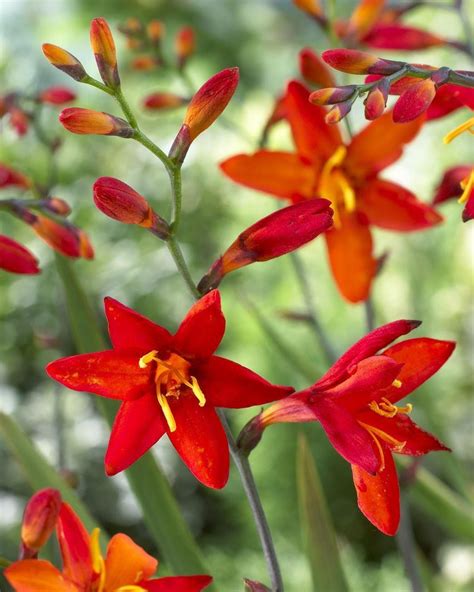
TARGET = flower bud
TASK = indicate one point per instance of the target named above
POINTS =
(414, 101)
(163, 100)
(353, 61)
(58, 206)
(39, 521)
(19, 120)
(11, 178)
(65, 61)
(86, 121)
(273, 236)
(16, 258)
(185, 45)
(64, 238)
(103, 46)
(253, 586)
(204, 108)
(132, 26)
(338, 112)
(119, 201)
(376, 100)
(56, 95)
(312, 7)
(314, 70)
(145, 63)
(331, 96)
(250, 435)
(155, 31)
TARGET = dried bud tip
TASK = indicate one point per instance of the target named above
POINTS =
(65, 61)
(250, 435)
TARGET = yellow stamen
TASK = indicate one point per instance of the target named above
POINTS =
(197, 391)
(146, 359)
(348, 193)
(333, 184)
(376, 434)
(467, 126)
(131, 588)
(98, 564)
(467, 185)
(388, 409)
(397, 383)
(165, 406)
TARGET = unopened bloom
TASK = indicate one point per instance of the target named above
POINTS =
(376, 101)
(185, 45)
(56, 95)
(356, 404)
(64, 238)
(119, 201)
(314, 70)
(163, 100)
(11, 178)
(155, 31)
(414, 101)
(103, 46)
(273, 236)
(354, 61)
(312, 7)
(167, 384)
(86, 121)
(16, 258)
(65, 61)
(332, 95)
(39, 521)
(126, 567)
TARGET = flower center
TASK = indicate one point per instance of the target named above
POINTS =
(170, 376)
(387, 409)
(335, 186)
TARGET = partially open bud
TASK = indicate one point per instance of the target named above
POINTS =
(56, 95)
(314, 70)
(353, 61)
(103, 47)
(16, 258)
(185, 45)
(86, 121)
(155, 31)
(331, 96)
(414, 101)
(163, 100)
(204, 108)
(272, 236)
(39, 521)
(11, 178)
(119, 201)
(376, 100)
(339, 111)
(65, 61)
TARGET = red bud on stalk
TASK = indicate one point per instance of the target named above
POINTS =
(354, 61)
(56, 95)
(185, 45)
(331, 96)
(86, 121)
(163, 100)
(414, 101)
(339, 111)
(314, 70)
(376, 100)
(39, 521)
(16, 258)
(103, 46)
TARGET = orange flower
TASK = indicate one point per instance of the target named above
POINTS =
(347, 175)
(103, 46)
(86, 121)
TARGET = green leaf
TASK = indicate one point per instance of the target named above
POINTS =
(161, 512)
(318, 532)
(38, 471)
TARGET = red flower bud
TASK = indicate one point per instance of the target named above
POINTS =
(65, 61)
(119, 201)
(376, 100)
(277, 234)
(16, 258)
(85, 121)
(103, 46)
(314, 70)
(353, 61)
(414, 101)
(64, 238)
(331, 96)
(11, 178)
(57, 206)
(19, 120)
(185, 45)
(338, 112)
(39, 521)
(163, 100)
(57, 95)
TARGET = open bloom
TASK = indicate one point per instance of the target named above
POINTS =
(356, 404)
(125, 568)
(347, 175)
(168, 384)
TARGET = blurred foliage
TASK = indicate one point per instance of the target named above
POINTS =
(428, 275)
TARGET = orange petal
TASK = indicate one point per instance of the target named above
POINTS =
(350, 256)
(379, 144)
(364, 17)
(280, 173)
(34, 575)
(378, 496)
(126, 563)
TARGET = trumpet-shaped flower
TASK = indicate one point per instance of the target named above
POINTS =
(348, 176)
(168, 384)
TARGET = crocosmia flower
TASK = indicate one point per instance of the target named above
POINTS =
(125, 568)
(348, 176)
(168, 384)
(357, 404)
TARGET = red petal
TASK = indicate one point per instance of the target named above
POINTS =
(468, 212)
(130, 330)
(364, 17)
(397, 36)
(379, 144)
(350, 256)
(365, 347)
(393, 207)
(421, 358)
(378, 496)
(228, 384)
(137, 427)
(280, 173)
(177, 584)
(202, 329)
(414, 101)
(74, 543)
(108, 373)
(16, 258)
(126, 563)
(314, 70)
(34, 575)
(314, 138)
(200, 440)
(450, 185)
(449, 98)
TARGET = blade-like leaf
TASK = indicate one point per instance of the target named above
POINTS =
(317, 529)
(161, 513)
(38, 471)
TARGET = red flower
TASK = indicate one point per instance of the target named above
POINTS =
(126, 565)
(356, 404)
(346, 175)
(168, 384)
(16, 258)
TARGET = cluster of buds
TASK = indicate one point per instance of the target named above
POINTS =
(416, 85)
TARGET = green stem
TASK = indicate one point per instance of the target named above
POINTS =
(176, 253)
(4, 562)
(177, 192)
(122, 101)
(97, 84)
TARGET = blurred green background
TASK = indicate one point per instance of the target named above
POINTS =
(427, 276)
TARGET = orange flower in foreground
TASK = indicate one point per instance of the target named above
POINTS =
(347, 175)
(125, 568)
